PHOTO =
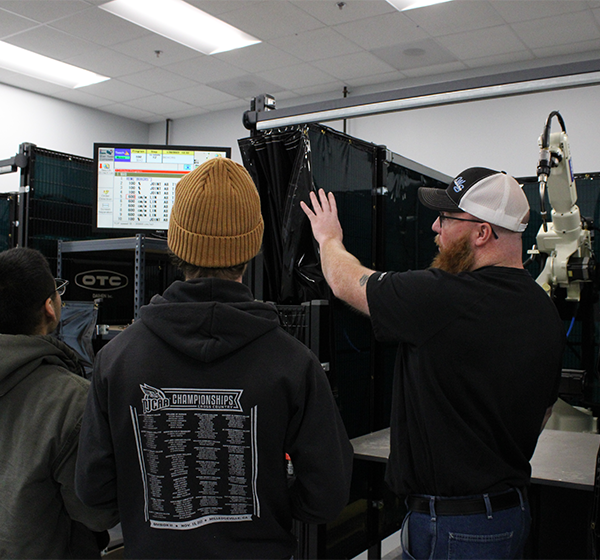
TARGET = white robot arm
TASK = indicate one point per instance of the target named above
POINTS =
(565, 239)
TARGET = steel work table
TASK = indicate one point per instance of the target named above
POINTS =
(566, 459)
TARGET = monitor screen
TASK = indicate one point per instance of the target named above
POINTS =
(135, 183)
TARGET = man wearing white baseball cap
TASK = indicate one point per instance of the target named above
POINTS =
(477, 371)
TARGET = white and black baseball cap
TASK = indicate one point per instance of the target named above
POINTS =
(491, 196)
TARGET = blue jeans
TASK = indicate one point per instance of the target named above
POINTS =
(492, 535)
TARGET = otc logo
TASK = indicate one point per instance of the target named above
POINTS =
(101, 280)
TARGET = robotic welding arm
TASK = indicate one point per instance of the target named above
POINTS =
(566, 239)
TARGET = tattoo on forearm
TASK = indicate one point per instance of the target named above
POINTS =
(363, 279)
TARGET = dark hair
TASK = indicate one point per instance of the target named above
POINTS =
(25, 284)
(192, 271)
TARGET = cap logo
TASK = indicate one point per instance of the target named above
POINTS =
(459, 184)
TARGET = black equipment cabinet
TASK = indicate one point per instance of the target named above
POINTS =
(147, 263)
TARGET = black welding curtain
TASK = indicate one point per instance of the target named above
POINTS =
(280, 165)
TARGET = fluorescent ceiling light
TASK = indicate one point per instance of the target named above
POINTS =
(38, 66)
(179, 21)
(403, 5)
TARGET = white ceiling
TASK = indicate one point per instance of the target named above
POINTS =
(310, 50)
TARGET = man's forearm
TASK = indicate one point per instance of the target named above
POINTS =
(344, 273)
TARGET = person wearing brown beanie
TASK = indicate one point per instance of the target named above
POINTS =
(194, 407)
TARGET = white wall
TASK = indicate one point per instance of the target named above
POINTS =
(57, 125)
(222, 128)
(497, 133)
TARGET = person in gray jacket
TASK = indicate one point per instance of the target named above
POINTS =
(42, 398)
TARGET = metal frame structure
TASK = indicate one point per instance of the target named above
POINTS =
(140, 244)
(12, 165)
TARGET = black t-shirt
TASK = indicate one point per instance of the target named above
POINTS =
(478, 364)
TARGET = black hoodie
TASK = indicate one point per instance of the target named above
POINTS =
(191, 413)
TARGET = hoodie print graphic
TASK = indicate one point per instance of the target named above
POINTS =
(198, 457)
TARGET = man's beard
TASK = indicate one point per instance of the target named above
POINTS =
(455, 258)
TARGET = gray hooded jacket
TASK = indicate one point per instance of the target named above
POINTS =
(42, 398)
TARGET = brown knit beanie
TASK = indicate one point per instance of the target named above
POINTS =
(216, 220)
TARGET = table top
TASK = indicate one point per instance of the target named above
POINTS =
(566, 459)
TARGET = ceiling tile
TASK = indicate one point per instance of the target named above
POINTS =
(115, 90)
(180, 113)
(204, 69)
(271, 18)
(316, 44)
(127, 111)
(591, 47)
(284, 98)
(564, 29)
(193, 112)
(483, 42)
(99, 26)
(11, 24)
(257, 58)
(433, 70)
(455, 17)
(145, 48)
(152, 120)
(331, 14)
(218, 7)
(158, 80)
(366, 82)
(353, 66)
(337, 86)
(233, 104)
(95, 2)
(298, 76)
(382, 31)
(108, 63)
(418, 54)
(201, 96)
(495, 60)
(80, 97)
(159, 104)
(524, 10)
(246, 87)
(44, 11)
(50, 42)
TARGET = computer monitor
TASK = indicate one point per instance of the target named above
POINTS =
(135, 183)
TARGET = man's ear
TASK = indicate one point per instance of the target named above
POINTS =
(483, 234)
(49, 311)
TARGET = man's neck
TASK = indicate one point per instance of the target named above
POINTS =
(509, 258)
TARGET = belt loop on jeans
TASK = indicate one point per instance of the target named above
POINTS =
(521, 498)
(488, 506)
(432, 508)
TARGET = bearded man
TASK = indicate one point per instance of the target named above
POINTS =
(477, 370)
